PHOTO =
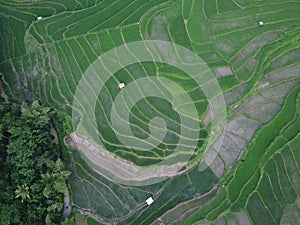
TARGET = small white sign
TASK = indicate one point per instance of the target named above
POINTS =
(261, 23)
(121, 85)
(149, 201)
(39, 18)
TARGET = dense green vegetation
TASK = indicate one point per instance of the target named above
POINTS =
(33, 178)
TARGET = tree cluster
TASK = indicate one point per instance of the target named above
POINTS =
(33, 178)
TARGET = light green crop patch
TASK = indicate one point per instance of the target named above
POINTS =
(31, 44)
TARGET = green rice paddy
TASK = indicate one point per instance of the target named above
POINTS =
(254, 176)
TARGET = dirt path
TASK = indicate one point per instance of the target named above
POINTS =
(67, 204)
(2, 91)
(54, 134)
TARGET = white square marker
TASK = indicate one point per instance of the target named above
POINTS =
(121, 85)
(149, 201)
(39, 18)
(261, 23)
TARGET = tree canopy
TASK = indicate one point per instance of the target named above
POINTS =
(33, 178)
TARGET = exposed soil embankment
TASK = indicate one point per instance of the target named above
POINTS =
(124, 171)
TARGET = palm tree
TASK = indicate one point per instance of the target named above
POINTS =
(55, 206)
(47, 180)
(22, 192)
(54, 179)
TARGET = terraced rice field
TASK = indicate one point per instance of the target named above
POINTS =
(246, 172)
